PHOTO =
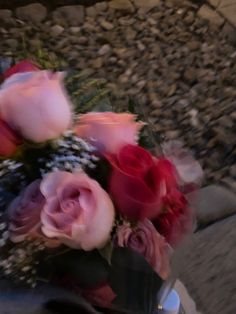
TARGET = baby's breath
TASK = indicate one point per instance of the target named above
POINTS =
(71, 154)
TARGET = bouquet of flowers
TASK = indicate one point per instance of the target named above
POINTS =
(83, 204)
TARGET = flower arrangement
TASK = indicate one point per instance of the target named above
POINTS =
(83, 204)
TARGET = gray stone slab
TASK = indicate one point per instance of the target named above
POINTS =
(213, 203)
(209, 268)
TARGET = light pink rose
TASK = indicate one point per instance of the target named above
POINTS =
(145, 240)
(78, 212)
(189, 170)
(35, 105)
(24, 213)
(108, 131)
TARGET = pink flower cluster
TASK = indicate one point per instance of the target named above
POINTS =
(72, 208)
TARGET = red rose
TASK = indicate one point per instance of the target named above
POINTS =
(139, 181)
(9, 141)
(22, 66)
(176, 220)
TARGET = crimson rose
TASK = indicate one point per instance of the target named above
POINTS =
(139, 181)
(176, 219)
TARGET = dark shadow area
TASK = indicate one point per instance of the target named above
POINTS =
(52, 4)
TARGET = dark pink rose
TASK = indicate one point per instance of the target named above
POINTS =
(24, 213)
(145, 240)
(9, 140)
(20, 67)
(176, 219)
(139, 181)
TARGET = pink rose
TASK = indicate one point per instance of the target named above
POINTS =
(145, 240)
(189, 171)
(108, 131)
(78, 212)
(9, 140)
(35, 105)
(24, 213)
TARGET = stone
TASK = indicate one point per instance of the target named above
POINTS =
(35, 12)
(207, 13)
(97, 63)
(101, 6)
(215, 3)
(91, 11)
(213, 203)
(5, 14)
(229, 11)
(57, 30)
(105, 49)
(12, 43)
(121, 5)
(74, 29)
(82, 40)
(106, 25)
(146, 4)
(206, 266)
(193, 45)
(72, 14)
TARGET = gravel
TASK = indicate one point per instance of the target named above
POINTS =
(179, 66)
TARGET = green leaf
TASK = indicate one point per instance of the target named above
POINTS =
(85, 268)
(133, 281)
(106, 252)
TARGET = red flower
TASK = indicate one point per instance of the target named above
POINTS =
(176, 220)
(139, 181)
(102, 296)
(9, 140)
(22, 66)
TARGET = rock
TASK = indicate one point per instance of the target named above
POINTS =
(82, 40)
(97, 63)
(105, 49)
(193, 45)
(230, 33)
(72, 14)
(5, 15)
(121, 5)
(146, 4)
(74, 29)
(12, 43)
(229, 12)
(35, 12)
(190, 74)
(215, 3)
(91, 11)
(206, 13)
(130, 34)
(57, 30)
(101, 6)
(106, 25)
(213, 203)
